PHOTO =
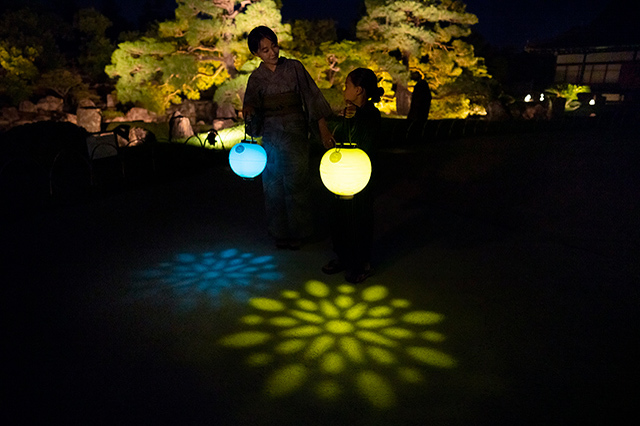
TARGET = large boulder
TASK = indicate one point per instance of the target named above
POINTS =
(50, 104)
(138, 136)
(111, 101)
(89, 118)
(27, 106)
(497, 112)
(188, 109)
(9, 114)
(535, 112)
(180, 127)
(225, 115)
(140, 114)
(86, 103)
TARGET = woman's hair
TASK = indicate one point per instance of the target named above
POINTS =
(365, 78)
(257, 34)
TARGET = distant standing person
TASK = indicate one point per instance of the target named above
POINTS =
(281, 102)
(420, 102)
(352, 230)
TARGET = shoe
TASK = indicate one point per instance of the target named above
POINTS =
(333, 267)
(358, 276)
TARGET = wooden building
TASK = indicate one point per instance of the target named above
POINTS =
(604, 55)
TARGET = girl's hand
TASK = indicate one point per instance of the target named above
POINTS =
(350, 110)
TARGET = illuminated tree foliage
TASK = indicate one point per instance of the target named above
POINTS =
(42, 54)
(17, 71)
(327, 60)
(570, 93)
(27, 47)
(308, 35)
(424, 36)
(205, 45)
(65, 84)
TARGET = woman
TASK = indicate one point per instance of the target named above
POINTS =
(281, 102)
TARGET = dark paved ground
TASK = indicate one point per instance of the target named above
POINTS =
(135, 308)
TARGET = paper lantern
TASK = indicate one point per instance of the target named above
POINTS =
(247, 159)
(345, 170)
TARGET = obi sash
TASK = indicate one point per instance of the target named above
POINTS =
(282, 104)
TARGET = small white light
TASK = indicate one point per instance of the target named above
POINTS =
(592, 101)
(527, 98)
(541, 97)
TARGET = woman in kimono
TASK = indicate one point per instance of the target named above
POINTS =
(281, 102)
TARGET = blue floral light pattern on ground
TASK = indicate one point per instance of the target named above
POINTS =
(189, 277)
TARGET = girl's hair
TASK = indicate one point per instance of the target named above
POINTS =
(365, 78)
(257, 34)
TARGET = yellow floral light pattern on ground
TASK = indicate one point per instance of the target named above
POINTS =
(331, 340)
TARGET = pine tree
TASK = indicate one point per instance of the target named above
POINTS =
(426, 36)
(204, 45)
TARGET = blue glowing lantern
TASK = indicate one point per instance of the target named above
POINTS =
(247, 159)
(345, 170)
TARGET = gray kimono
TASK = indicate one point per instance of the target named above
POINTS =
(287, 101)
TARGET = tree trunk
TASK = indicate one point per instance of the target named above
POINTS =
(229, 60)
(403, 99)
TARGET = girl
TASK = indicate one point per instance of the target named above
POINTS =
(281, 103)
(352, 232)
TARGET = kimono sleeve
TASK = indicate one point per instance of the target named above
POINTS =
(253, 98)
(315, 104)
(252, 93)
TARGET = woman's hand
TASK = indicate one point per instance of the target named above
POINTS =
(325, 134)
(329, 143)
(247, 112)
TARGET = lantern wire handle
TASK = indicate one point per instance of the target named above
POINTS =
(247, 123)
(347, 126)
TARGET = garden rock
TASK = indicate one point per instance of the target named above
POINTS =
(90, 119)
(50, 103)
(180, 127)
(27, 106)
(140, 114)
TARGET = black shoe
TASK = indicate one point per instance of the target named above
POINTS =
(333, 267)
(359, 275)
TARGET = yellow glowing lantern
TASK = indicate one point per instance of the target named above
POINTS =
(345, 170)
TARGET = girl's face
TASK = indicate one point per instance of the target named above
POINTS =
(269, 52)
(351, 91)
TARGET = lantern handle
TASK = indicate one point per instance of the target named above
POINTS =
(340, 145)
(247, 122)
(347, 126)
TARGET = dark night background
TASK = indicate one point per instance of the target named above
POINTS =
(501, 22)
